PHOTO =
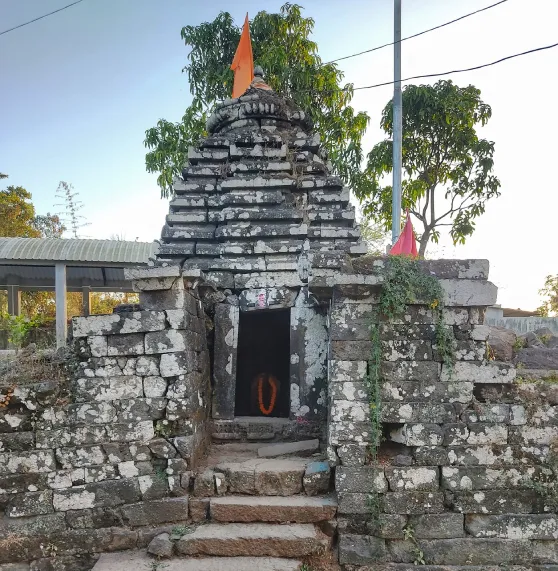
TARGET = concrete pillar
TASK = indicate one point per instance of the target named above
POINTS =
(61, 308)
(14, 300)
(86, 301)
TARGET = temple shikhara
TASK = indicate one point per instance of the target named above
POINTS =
(225, 423)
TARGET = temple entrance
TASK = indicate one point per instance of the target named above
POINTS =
(262, 379)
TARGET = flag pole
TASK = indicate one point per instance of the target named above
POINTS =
(397, 125)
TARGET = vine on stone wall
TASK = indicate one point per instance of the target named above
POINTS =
(404, 283)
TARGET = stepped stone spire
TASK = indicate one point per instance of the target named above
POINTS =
(256, 197)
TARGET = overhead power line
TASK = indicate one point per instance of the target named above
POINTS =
(461, 70)
(419, 33)
(40, 17)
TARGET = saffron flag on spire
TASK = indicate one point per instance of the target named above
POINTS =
(243, 62)
(406, 244)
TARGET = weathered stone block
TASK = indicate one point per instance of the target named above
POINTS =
(361, 550)
(34, 461)
(365, 479)
(154, 387)
(412, 478)
(316, 478)
(141, 431)
(161, 448)
(528, 526)
(496, 501)
(30, 504)
(430, 413)
(469, 293)
(162, 300)
(98, 345)
(487, 412)
(532, 435)
(473, 551)
(153, 486)
(352, 454)
(199, 509)
(437, 526)
(279, 477)
(171, 341)
(413, 502)
(479, 433)
(80, 456)
(354, 503)
(418, 435)
(108, 389)
(101, 494)
(478, 372)
(175, 364)
(118, 323)
(398, 371)
(156, 511)
(129, 344)
(17, 441)
(483, 478)
(94, 518)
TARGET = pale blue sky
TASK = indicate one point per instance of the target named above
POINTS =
(79, 89)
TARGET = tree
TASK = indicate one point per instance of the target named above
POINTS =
(550, 291)
(18, 218)
(447, 169)
(283, 48)
(72, 206)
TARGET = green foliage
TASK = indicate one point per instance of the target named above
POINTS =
(18, 218)
(283, 48)
(409, 535)
(447, 169)
(546, 483)
(374, 236)
(18, 326)
(549, 305)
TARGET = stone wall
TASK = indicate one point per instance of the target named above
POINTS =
(454, 479)
(87, 467)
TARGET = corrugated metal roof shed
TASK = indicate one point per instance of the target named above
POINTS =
(75, 250)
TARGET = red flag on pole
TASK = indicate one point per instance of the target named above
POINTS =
(243, 62)
(406, 244)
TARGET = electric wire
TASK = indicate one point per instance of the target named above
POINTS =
(40, 17)
(460, 70)
(418, 34)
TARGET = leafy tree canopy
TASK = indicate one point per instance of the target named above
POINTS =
(18, 218)
(447, 169)
(550, 292)
(283, 48)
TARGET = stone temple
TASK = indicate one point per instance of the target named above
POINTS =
(235, 399)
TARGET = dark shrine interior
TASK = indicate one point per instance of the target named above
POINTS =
(263, 347)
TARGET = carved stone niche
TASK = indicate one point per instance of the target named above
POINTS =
(278, 332)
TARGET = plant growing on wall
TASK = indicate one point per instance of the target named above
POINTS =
(404, 282)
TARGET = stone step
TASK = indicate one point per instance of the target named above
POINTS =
(253, 539)
(299, 509)
(140, 560)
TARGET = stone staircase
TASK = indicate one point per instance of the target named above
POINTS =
(248, 510)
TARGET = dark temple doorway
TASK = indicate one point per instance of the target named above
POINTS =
(263, 361)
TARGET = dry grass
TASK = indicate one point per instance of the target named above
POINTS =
(31, 366)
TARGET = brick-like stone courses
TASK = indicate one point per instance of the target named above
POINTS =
(460, 448)
(84, 472)
(255, 197)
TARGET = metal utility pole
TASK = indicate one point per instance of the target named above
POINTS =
(397, 124)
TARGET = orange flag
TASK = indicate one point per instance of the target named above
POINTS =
(406, 244)
(243, 62)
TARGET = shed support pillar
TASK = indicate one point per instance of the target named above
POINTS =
(61, 309)
(86, 301)
(14, 300)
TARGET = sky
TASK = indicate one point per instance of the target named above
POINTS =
(79, 89)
